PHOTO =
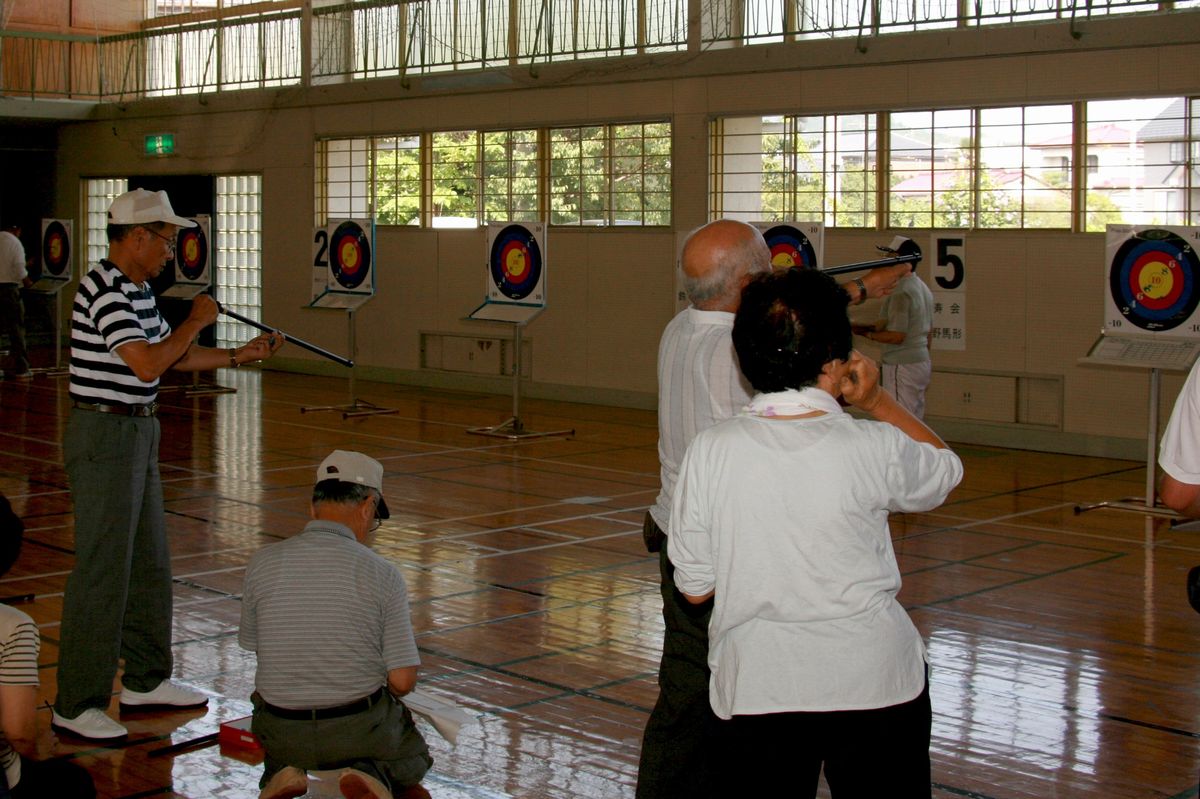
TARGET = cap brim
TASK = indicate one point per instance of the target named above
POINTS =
(180, 221)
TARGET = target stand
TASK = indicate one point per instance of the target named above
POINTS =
(56, 273)
(515, 294)
(343, 278)
(355, 407)
(517, 316)
(1151, 322)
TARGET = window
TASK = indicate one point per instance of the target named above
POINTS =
(932, 167)
(596, 175)
(1138, 178)
(813, 168)
(238, 228)
(611, 174)
(1014, 188)
(98, 195)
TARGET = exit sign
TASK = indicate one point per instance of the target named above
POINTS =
(160, 144)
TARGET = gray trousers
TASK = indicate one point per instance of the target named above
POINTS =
(12, 323)
(381, 741)
(118, 597)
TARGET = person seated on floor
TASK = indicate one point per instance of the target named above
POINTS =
(780, 514)
(22, 773)
(329, 621)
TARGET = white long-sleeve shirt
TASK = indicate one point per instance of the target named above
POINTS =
(787, 521)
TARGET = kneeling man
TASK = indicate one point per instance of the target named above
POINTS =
(329, 621)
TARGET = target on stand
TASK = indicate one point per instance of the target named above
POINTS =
(1153, 279)
(350, 255)
(56, 248)
(191, 251)
(790, 247)
(516, 262)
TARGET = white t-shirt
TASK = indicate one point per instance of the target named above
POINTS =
(12, 259)
(1179, 454)
(787, 521)
(699, 384)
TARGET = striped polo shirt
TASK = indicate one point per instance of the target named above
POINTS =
(111, 310)
(19, 644)
(327, 616)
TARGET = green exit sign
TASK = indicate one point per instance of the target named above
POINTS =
(160, 144)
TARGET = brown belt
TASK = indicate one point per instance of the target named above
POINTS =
(147, 409)
(296, 714)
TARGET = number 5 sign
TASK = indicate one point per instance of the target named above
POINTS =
(949, 286)
(950, 262)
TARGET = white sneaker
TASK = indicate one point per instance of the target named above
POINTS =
(92, 723)
(167, 695)
(287, 783)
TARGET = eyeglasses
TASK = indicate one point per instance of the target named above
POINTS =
(170, 240)
(375, 520)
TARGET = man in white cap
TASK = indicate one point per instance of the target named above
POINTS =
(118, 597)
(329, 621)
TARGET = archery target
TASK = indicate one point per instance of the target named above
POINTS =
(793, 243)
(56, 249)
(349, 255)
(516, 267)
(191, 252)
(1153, 280)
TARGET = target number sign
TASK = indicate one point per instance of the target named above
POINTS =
(950, 265)
(516, 263)
(1153, 280)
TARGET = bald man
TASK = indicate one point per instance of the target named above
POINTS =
(699, 384)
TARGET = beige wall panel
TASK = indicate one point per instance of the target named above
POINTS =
(690, 96)
(1002, 80)
(755, 93)
(651, 99)
(407, 300)
(1132, 73)
(1104, 401)
(559, 340)
(105, 16)
(38, 15)
(690, 144)
(849, 89)
(627, 308)
(1177, 66)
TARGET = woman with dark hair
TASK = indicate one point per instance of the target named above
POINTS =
(781, 515)
(21, 773)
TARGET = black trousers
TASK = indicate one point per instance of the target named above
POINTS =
(681, 747)
(866, 753)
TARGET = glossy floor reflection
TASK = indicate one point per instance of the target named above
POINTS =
(1062, 646)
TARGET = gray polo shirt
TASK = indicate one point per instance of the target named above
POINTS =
(327, 616)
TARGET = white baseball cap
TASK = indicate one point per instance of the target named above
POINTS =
(354, 467)
(140, 207)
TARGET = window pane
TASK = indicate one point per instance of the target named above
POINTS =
(1135, 174)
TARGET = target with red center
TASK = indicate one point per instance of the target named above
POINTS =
(789, 247)
(56, 248)
(516, 262)
(191, 251)
(350, 255)
(1153, 280)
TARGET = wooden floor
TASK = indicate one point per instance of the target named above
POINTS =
(1064, 656)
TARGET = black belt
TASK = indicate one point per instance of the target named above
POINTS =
(357, 706)
(148, 409)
